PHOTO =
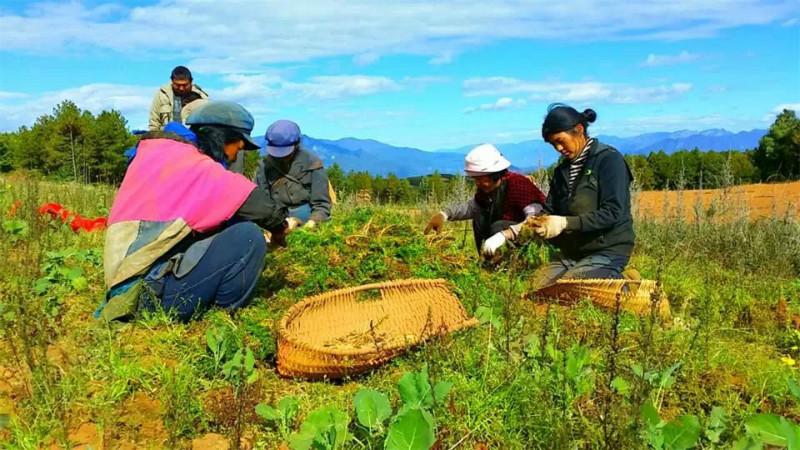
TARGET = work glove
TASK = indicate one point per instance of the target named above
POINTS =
(549, 227)
(310, 224)
(292, 223)
(491, 245)
(436, 223)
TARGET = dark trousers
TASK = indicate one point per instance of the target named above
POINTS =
(600, 265)
(225, 276)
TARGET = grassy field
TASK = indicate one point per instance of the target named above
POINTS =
(720, 373)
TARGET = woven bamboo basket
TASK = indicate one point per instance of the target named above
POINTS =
(635, 296)
(350, 331)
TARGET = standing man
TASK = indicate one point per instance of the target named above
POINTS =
(172, 97)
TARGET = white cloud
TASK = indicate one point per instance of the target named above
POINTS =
(634, 125)
(654, 60)
(772, 114)
(502, 103)
(334, 87)
(11, 95)
(444, 58)
(257, 92)
(792, 106)
(249, 34)
(574, 92)
(18, 109)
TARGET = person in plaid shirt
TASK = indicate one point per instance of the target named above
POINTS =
(502, 203)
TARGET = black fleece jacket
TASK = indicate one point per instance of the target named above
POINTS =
(598, 211)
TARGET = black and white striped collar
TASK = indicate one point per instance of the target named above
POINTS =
(584, 153)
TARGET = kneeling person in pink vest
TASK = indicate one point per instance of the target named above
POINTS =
(184, 232)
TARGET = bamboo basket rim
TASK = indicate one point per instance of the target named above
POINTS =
(299, 307)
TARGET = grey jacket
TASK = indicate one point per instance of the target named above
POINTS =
(305, 182)
(162, 107)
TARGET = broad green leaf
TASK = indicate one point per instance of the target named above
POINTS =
(73, 273)
(42, 285)
(415, 389)
(331, 425)
(748, 443)
(249, 361)
(372, 408)
(791, 432)
(682, 433)
(233, 365)
(577, 358)
(412, 429)
(533, 346)
(441, 389)
(715, 425)
(649, 415)
(303, 439)
(621, 386)
(794, 388)
(766, 427)
(79, 283)
(252, 378)
(288, 407)
(267, 412)
(486, 315)
(667, 376)
(212, 341)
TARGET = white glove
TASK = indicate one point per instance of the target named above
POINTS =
(491, 245)
(549, 227)
(292, 223)
(309, 224)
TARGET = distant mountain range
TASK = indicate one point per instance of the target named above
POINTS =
(378, 158)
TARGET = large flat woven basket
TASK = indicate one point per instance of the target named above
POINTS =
(636, 296)
(350, 331)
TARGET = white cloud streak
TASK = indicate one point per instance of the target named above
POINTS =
(654, 60)
(791, 106)
(589, 91)
(244, 34)
(502, 104)
(18, 109)
(257, 92)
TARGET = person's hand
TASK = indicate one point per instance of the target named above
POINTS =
(436, 223)
(549, 227)
(310, 224)
(491, 245)
(292, 223)
(278, 238)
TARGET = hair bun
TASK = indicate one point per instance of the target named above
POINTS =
(589, 115)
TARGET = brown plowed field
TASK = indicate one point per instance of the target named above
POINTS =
(751, 200)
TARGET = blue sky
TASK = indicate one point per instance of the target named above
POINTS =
(415, 73)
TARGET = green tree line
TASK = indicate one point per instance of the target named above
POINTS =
(74, 144)
(70, 144)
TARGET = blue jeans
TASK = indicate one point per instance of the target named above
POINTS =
(600, 265)
(225, 276)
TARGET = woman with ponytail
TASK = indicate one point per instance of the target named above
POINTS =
(183, 230)
(589, 204)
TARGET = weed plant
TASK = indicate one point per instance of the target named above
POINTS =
(720, 373)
